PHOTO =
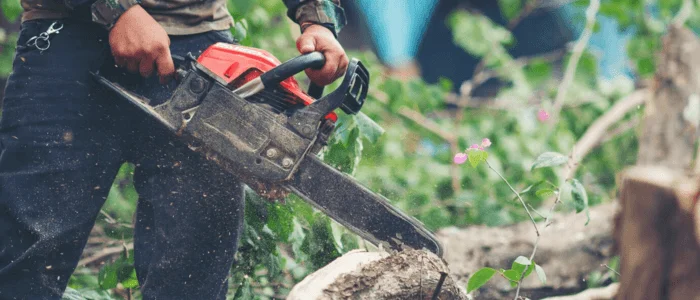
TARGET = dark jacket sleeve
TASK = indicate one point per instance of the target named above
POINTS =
(328, 13)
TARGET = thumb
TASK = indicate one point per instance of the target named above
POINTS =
(306, 44)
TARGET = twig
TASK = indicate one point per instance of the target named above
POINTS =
(426, 123)
(536, 212)
(611, 269)
(599, 127)
(683, 14)
(519, 197)
(579, 47)
(109, 218)
(619, 130)
(105, 253)
(588, 141)
(607, 292)
(530, 6)
(537, 243)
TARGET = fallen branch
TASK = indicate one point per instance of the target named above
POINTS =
(568, 259)
(603, 293)
(104, 253)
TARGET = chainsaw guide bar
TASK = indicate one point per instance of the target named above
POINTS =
(271, 136)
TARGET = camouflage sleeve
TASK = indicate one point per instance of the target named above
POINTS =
(328, 13)
(106, 12)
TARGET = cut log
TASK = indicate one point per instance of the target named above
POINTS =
(657, 235)
(377, 275)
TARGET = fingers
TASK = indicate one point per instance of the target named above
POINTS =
(336, 64)
(306, 44)
(146, 66)
(166, 67)
(132, 65)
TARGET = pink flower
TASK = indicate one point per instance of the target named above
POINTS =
(460, 158)
(485, 143)
(475, 147)
(542, 115)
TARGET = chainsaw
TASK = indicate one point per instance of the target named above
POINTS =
(242, 108)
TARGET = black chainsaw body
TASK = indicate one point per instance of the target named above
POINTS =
(249, 138)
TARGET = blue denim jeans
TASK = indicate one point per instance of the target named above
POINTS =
(62, 141)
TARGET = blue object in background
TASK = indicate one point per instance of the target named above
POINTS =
(397, 27)
(608, 44)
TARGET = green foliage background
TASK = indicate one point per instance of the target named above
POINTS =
(404, 160)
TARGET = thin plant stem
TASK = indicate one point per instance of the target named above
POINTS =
(537, 243)
(518, 195)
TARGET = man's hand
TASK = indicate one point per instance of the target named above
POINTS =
(141, 45)
(319, 38)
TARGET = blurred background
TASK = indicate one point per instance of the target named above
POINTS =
(530, 75)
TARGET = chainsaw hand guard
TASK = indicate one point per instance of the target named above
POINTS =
(349, 96)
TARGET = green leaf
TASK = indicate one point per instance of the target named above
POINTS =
(523, 260)
(132, 281)
(549, 159)
(280, 220)
(520, 268)
(538, 71)
(479, 278)
(107, 277)
(540, 274)
(510, 8)
(369, 129)
(477, 34)
(11, 9)
(512, 275)
(545, 193)
(244, 291)
(578, 193)
(476, 157)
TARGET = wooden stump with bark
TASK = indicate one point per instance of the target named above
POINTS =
(656, 231)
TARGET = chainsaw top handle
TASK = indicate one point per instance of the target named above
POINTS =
(313, 60)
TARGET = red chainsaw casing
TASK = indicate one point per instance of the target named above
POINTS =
(237, 65)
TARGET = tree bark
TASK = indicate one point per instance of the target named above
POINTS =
(656, 229)
(656, 232)
(670, 125)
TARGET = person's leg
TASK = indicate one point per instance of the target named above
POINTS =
(190, 212)
(58, 158)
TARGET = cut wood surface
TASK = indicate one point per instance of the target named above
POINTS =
(374, 275)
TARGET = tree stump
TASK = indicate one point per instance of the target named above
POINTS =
(656, 229)
(656, 233)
